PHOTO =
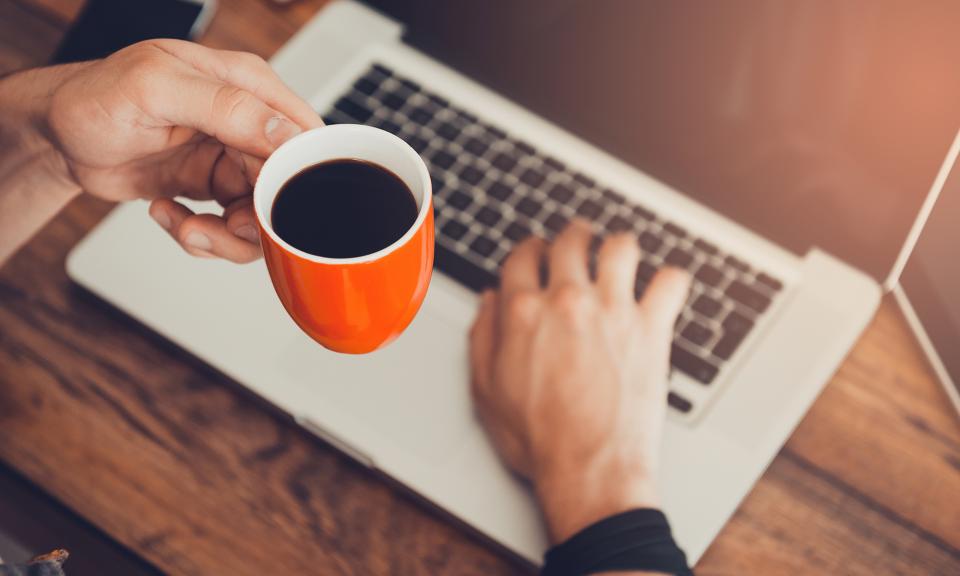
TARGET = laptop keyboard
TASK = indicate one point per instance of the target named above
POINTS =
(492, 190)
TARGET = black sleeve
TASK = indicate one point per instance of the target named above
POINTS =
(634, 540)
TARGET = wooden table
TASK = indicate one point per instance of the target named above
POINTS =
(181, 467)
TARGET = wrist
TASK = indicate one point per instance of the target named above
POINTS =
(25, 104)
(573, 499)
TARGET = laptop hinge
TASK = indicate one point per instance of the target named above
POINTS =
(336, 442)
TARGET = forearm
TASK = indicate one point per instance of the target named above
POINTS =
(35, 183)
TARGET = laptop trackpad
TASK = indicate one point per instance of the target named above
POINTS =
(411, 396)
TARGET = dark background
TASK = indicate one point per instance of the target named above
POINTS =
(816, 123)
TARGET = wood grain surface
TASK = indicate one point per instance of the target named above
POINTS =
(179, 465)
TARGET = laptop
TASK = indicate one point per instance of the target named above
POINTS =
(780, 152)
(929, 286)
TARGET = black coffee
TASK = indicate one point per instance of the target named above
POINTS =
(343, 209)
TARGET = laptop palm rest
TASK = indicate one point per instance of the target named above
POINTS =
(412, 394)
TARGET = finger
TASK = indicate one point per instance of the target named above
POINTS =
(521, 270)
(617, 264)
(241, 220)
(482, 344)
(230, 114)
(568, 255)
(207, 235)
(247, 71)
(169, 214)
(664, 299)
(229, 181)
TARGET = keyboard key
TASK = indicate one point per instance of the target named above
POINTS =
(476, 146)
(517, 231)
(453, 229)
(692, 365)
(642, 212)
(495, 132)
(736, 264)
(554, 164)
(409, 85)
(619, 224)
(709, 275)
(471, 174)
(555, 222)
(748, 296)
(438, 101)
(650, 243)
(705, 247)
(769, 281)
(488, 216)
(464, 117)
(390, 126)
(589, 209)
(366, 86)
(499, 190)
(383, 70)
(532, 177)
(584, 179)
(737, 323)
(393, 101)
(679, 258)
(447, 130)
(523, 148)
(463, 270)
(707, 306)
(443, 159)
(483, 246)
(460, 200)
(697, 333)
(353, 109)
(727, 345)
(561, 193)
(420, 115)
(417, 143)
(675, 230)
(613, 197)
(528, 207)
(678, 402)
(504, 162)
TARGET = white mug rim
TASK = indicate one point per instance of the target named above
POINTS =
(330, 131)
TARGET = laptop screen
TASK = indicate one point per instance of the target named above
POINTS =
(818, 123)
(931, 279)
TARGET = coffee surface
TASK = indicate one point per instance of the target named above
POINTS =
(343, 209)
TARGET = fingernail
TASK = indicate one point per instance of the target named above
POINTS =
(198, 241)
(162, 219)
(249, 233)
(279, 130)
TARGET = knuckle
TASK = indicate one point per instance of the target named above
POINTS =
(523, 308)
(572, 302)
(230, 101)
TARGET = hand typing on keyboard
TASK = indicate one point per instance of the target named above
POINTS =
(570, 378)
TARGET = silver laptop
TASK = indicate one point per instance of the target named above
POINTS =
(779, 151)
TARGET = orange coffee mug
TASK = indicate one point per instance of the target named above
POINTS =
(351, 305)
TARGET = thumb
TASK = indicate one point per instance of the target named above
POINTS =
(664, 299)
(232, 115)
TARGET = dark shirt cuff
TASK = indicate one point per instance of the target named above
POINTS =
(637, 540)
